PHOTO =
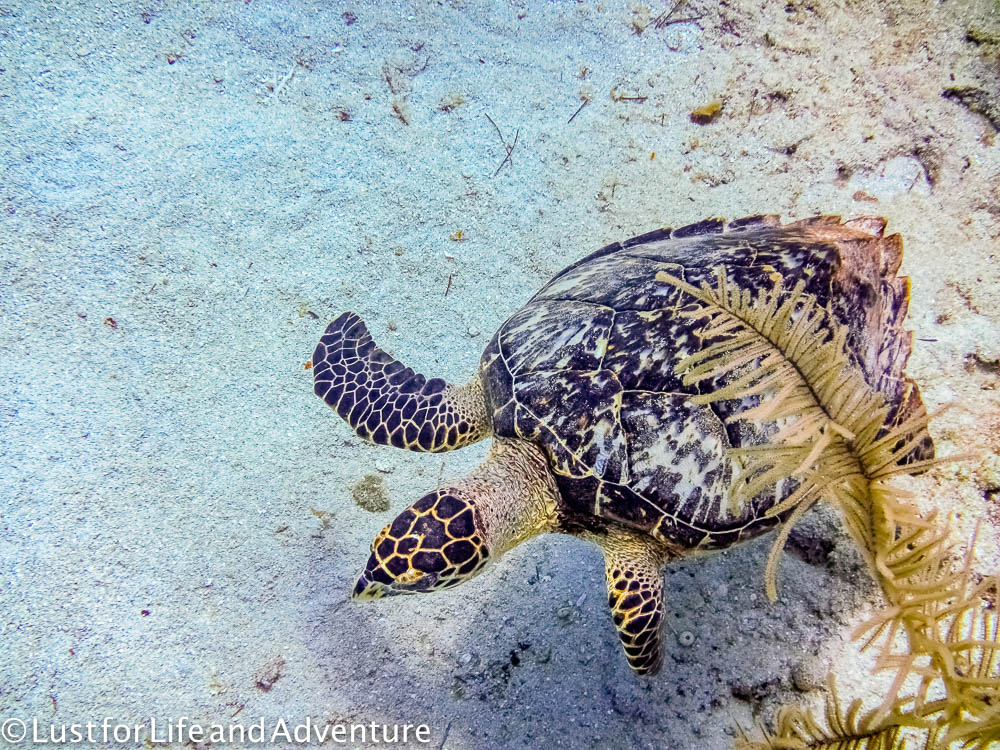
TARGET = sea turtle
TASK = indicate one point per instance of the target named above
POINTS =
(594, 433)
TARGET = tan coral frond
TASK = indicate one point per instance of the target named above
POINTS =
(783, 348)
(799, 729)
(787, 358)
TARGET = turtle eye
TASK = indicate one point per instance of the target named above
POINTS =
(410, 576)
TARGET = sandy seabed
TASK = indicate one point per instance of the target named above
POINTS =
(189, 192)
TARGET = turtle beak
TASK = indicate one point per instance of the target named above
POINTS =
(375, 582)
(366, 588)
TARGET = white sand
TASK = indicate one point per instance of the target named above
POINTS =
(165, 482)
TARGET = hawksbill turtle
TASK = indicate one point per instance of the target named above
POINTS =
(594, 430)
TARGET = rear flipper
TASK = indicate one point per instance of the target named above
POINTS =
(634, 572)
(388, 403)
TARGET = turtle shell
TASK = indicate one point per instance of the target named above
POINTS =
(586, 369)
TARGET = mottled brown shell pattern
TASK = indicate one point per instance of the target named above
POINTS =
(586, 369)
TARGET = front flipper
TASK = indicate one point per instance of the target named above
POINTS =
(634, 570)
(388, 403)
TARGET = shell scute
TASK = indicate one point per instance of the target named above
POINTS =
(556, 335)
(708, 226)
(642, 239)
(622, 504)
(620, 281)
(575, 415)
(645, 347)
(678, 456)
(754, 222)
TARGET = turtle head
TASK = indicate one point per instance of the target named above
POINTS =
(436, 543)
